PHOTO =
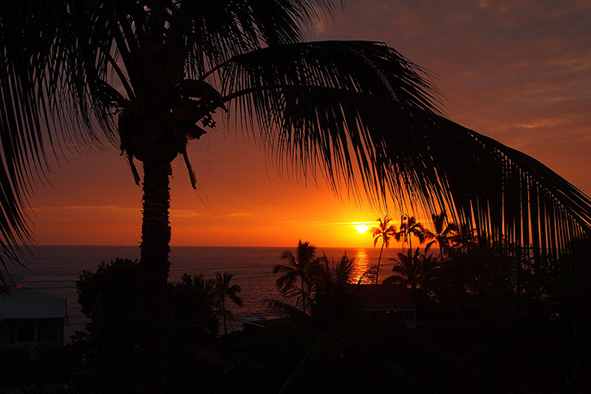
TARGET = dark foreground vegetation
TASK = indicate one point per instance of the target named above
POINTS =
(489, 322)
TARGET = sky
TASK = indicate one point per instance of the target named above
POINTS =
(519, 72)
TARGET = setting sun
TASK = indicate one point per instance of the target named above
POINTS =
(361, 228)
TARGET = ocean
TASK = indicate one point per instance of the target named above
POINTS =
(54, 269)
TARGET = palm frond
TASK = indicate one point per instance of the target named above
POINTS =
(365, 115)
(283, 309)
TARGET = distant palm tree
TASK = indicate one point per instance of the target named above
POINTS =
(336, 301)
(443, 234)
(224, 289)
(464, 238)
(384, 231)
(410, 227)
(407, 269)
(333, 301)
(297, 273)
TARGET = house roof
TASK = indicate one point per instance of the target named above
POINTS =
(386, 296)
(27, 303)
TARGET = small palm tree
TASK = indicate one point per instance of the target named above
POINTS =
(336, 302)
(443, 234)
(384, 231)
(406, 270)
(299, 268)
(222, 290)
(464, 238)
(333, 301)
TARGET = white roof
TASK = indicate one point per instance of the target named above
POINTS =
(32, 304)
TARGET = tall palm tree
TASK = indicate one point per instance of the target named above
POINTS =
(384, 231)
(443, 233)
(224, 289)
(299, 268)
(410, 227)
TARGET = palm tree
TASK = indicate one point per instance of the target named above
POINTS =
(223, 289)
(333, 299)
(443, 234)
(464, 238)
(407, 269)
(300, 268)
(410, 227)
(336, 302)
(384, 231)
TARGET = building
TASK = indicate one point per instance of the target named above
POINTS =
(30, 317)
(389, 298)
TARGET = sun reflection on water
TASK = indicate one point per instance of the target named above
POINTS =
(361, 267)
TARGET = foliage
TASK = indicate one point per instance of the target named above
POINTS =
(384, 231)
(336, 302)
(193, 322)
(443, 233)
(333, 366)
(411, 267)
(224, 289)
(109, 298)
(472, 284)
(48, 368)
(333, 303)
(410, 227)
(301, 268)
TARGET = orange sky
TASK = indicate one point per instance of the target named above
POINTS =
(519, 72)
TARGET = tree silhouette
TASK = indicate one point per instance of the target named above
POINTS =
(384, 231)
(407, 269)
(300, 268)
(223, 289)
(193, 322)
(464, 238)
(443, 233)
(333, 300)
(410, 227)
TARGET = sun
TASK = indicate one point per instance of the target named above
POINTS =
(361, 228)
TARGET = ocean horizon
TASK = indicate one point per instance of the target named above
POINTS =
(55, 269)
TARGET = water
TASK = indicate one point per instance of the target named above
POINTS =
(54, 269)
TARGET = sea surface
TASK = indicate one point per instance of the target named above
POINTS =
(54, 269)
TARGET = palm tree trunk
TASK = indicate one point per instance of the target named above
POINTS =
(303, 295)
(379, 261)
(224, 315)
(153, 270)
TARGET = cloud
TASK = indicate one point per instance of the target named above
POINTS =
(83, 207)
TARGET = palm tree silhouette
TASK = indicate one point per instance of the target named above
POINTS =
(410, 227)
(464, 238)
(443, 234)
(406, 270)
(332, 302)
(384, 231)
(223, 289)
(300, 268)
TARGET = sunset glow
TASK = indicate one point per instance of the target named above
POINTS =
(497, 78)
